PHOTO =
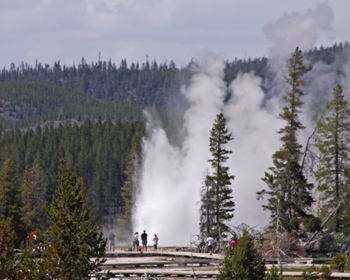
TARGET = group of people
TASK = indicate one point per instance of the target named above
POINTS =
(136, 244)
(210, 242)
(33, 239)
(135, 241)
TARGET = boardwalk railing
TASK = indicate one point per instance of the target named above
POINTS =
(165, 263)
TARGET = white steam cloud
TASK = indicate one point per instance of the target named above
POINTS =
(254, 128)
(292, 29)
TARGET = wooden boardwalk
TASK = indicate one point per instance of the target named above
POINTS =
(164, 265)
(164, 274)
(185, 265)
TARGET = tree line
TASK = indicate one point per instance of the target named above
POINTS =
(27, 104)
(41, 94)
(146, 84)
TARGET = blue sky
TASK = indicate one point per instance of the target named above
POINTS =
(163, 30)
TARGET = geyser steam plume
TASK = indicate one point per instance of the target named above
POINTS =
(172, 176)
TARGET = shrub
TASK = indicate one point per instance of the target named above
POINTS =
(312, 272)
(273, 273)
(244, 261)
(338, 262)
(325, 273)
(309, 273)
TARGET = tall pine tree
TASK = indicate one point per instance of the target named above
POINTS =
(77, 247)
(7, 250)
(10, 199)
(333, 171)
(289, 193)
(220, 179)
(33, 193)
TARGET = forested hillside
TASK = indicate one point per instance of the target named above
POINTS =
(26, 104)
(145, 85)
(98, 152)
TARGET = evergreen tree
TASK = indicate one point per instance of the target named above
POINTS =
(11, 200)
(221, 179)
(77, 247)
(33, 199)
(289, 193)
(7, 249)
(333, 171)
(272, 273)
(244, 262)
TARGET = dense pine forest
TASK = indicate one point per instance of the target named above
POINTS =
(98, 152)
(91, 115)
(26, 104)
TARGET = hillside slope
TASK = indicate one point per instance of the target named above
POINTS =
(25, 104)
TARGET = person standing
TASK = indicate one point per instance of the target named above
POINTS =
(210, 241)
(135, 241)
(144, 240)
(233, 242)
(28, 239)
(34, 237)
(111, 241)
(155, 242)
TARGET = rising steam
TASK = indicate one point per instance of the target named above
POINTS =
(172, 175)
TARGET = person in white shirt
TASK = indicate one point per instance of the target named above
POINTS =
(210, 241)
(135, 241)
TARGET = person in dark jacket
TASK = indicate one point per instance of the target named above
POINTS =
(144, 240)
(111, 241)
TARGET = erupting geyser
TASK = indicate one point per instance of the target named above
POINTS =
(172, 177)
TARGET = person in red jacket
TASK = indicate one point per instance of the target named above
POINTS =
(233, 242)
